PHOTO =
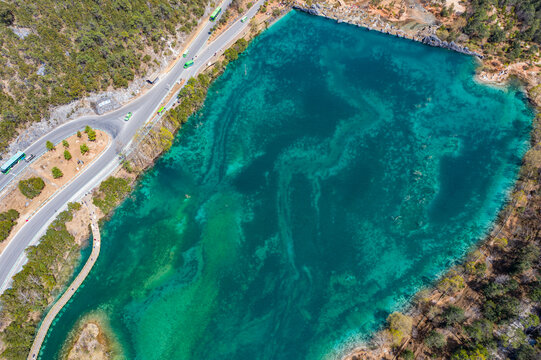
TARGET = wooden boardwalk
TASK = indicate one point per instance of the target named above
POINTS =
(53, 312)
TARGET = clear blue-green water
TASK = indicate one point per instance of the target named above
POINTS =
(332, 172)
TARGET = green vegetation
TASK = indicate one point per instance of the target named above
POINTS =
(127, 166)
(84, 149)
(57, 173)
(193, 94)
(507, 28)
(49, 145)
(79, 134)
(75, 48)
(65, 144)
(400, 326)
(233, 52)
(74, 206)
(110, 193)
(90, 133)
(489, 306)
(31, 187)
(43, 274)
(435, 340)
(453, 315)
(7, 222)
(67, 155)
(451, 283)
(166, 138)
(407, 355)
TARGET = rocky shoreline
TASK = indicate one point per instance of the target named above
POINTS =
(421, 36)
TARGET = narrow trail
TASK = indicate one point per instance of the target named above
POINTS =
(73, 287)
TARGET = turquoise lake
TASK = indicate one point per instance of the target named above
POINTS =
(332, 172)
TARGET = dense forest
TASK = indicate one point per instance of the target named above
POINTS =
(33, 287)
(56, 51)
(506, 28)
(509, 28)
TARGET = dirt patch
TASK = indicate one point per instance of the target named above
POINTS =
(457, 6)
(92, 339)
(91, 344)
(14, 199)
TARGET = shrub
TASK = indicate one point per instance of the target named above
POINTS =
(477, 353)
(7, 222)
(453, 315)
(79, 134)
(492, 290)
(91, 135)
(74, 206)
(127, 166)
(49, 145)
(111, 192)
(529, 321)
(501, 309)
(57, 173)
(65, 144)
(435, 340)
(67, 155)
(476, 268)
(452, 283)
(31, 187)
(526, 258)
(87, 129)
(84, 149)
(535, 293)
(400, 325)
(407, 355)
(526, 352)
(480, 331)
(501, 243)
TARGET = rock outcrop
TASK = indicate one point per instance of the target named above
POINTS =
(433, 40)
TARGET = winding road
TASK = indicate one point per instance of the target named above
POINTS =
(122, 133)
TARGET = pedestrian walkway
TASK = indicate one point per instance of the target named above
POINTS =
(53, 312)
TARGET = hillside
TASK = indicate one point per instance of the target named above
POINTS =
(57, 51)
(506, 30)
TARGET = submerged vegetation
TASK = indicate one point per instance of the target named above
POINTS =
(190, 99)
(54, 52)
(32, 290)
(491, 303)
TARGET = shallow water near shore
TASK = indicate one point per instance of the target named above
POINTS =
(331, 173)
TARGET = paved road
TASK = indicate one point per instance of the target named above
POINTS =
(143, 108)
(74, 286)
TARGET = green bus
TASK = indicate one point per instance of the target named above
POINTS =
(12, 161)
(215, 13)
(161, 110)
(188, 64)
